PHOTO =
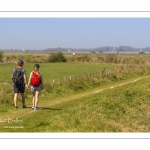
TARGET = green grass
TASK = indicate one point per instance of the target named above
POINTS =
(54, 70)
(50, 71)
(122, 109)
(63, 108)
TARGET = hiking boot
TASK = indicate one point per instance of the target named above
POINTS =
(24, 106)
(35, 108)
(16, 107)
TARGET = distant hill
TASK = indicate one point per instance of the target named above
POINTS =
(101, 49)
(98, 49)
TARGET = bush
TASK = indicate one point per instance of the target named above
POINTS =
(1, 56)
(56, 57)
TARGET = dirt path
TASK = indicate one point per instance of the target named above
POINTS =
(95, 91)
(5, 83)
(24, 112)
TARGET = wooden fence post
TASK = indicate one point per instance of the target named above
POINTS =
(87, 76)
(100, 74)
(75, 78)
(70, 78)
(58, 81)
(53, 81)
(106, 71)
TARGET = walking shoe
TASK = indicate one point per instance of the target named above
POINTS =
(24, 106)
(33, 107)
(16, 107)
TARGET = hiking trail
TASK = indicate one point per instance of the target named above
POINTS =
(24, 112)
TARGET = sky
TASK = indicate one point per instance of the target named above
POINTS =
(42, 33)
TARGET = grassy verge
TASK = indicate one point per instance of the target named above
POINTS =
(53, 92)
(63, 110)
(54, 70)
(122, 109)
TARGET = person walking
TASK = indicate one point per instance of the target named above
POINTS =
(20, 80)
(36, 83)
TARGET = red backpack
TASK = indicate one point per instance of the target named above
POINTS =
(35, 80)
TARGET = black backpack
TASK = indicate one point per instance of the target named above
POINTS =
(18, 78)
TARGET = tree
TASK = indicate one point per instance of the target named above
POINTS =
(1, 56)
(56, 57)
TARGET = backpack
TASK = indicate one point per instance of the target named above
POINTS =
(35, 80)
(18, 78)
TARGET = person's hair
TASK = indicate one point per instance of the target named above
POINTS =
(20, 63)
(37, 66)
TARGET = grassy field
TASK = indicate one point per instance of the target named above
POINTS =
(54, 70)
(124, 108)
(107, 104)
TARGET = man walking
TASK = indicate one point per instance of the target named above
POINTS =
(20, 80)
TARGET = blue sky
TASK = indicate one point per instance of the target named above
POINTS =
(41, 33)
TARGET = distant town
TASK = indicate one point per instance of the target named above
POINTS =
(107, 49)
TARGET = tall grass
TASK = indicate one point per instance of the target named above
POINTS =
(122, 109)
(110, 58)
(82, 83)
(50, 71)
(84, 58)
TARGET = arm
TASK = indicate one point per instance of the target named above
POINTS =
(29, 79)
(24, 76)
(25, 79)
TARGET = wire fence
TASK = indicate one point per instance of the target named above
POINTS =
(105, 72)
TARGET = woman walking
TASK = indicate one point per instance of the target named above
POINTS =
(36, 82)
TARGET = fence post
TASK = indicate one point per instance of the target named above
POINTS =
(100, 74)
(106, 71)
(79, 77)
(82, 76)
(53, 81)
(58, 81)
(96, 74)
(75, 78)
(70, 77)
(86, 76)
(64, 79)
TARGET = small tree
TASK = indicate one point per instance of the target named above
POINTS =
(56, 57)
(1, 56)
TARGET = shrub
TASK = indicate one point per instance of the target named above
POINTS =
(1, 56)
(56, 57)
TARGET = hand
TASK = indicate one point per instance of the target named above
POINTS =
(27, 87)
